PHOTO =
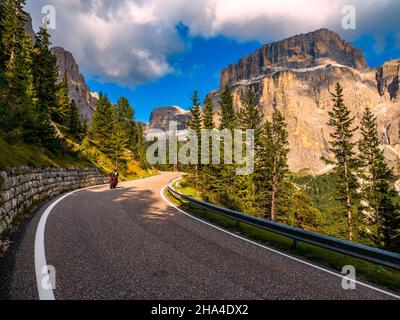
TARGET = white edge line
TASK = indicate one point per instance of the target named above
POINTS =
(273, 250)
(40, 254)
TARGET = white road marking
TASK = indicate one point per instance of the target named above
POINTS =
(273, 250)
(40, 253)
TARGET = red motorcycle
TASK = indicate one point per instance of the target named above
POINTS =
(113, 182)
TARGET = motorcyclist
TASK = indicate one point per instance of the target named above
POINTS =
(114, 178)
(115, 173)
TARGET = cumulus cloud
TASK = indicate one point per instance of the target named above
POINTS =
(131, 41)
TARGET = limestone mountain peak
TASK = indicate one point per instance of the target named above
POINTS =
(320, 47)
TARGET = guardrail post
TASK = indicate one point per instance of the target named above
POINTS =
(295, 244)
(237, 224)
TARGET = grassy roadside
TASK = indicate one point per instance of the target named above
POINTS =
(73, 154)
(373, 273)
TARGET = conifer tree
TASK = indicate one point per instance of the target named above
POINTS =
(228, 115)
(44, 75)
(119, 140)
(271, 165)
(195, 120)
(377, 186)
(102, 124)
(210, 173)
(16, 107)
(208, 114)
(83, 129)
(226, 175)
(61, 113)
(123, 126)
(195, 123)
(127, 114)
(141, 148)
(44, 69)
(74, 119)
(342, 147)
(250, 116)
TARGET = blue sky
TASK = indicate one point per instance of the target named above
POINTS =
(198, 68)
(156, 52)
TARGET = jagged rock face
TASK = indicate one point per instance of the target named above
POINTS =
(388, 79)
(303, 94)
(78, 90)
(29, 27)
(161, 117)
(303, 51)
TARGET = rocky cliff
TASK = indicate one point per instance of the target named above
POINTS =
(303, 51)
(29, 26)
(161, 117)
(78, 90)
(298, 75)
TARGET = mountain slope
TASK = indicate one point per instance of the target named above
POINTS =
(297, 76)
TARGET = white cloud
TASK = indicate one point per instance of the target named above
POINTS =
(130, 41)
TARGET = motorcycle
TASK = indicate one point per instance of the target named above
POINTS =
(113, 182)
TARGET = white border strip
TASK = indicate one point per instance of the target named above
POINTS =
(40, 253)
(162, 193)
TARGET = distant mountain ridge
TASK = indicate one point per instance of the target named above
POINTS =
(161, 117)
(297, 76)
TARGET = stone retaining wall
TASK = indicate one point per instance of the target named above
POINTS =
(21, 188)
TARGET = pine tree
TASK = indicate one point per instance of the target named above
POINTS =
(296, 209)
(195, 120)
(102, 125)
(126, 113)
(83, 129)
(208, 114)
(271, 165)
(123, 127)
(228, 115)
(226, 174)
(210, 173)
(377, 187)
(250, 116)
(44, 72)
(195, 123)
(119, 140)
(61, 112)
(74, 120)
(342, 147)
(141, 148)
(17, 116)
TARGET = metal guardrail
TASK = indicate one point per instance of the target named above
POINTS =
(382, 257)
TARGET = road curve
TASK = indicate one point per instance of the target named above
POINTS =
(131, 244)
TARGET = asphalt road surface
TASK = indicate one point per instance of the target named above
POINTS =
(130, 243)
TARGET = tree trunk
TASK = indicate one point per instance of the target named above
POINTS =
(273, 204)
(348, 203)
